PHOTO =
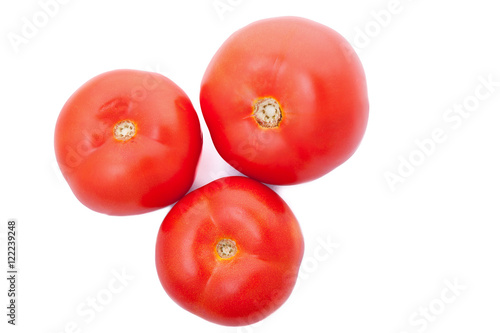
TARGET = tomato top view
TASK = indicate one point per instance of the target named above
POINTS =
(128, 142)
(230, 251)
(285, 100)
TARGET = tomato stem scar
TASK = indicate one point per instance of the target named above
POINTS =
(226, 248)
(267, 112)
(124, 130)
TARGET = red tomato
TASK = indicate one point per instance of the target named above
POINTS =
(285, 100)
(230, 251)
(128, 142)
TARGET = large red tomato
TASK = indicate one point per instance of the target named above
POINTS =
(230, 251)
(285, 100)
(128, 142)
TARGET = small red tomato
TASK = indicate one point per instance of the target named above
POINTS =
(230, 251)
(285, 100)
(128, 142)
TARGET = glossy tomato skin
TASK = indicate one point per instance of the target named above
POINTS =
(317, 79)
(259, 278)
(151, 170)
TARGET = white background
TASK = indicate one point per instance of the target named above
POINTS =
(394, 249)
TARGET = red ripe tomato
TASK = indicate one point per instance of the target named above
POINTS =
(128, 142)
(285, 100)
(230, 251)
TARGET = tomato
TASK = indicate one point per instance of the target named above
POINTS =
(230, 251)
(128, 142)
(285, 100)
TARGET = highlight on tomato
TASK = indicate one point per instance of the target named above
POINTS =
(128, 142)
(230, 251)
(285, 100)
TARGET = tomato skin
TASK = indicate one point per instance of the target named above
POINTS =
(255, 282)
(154, 168)
(319, 82)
